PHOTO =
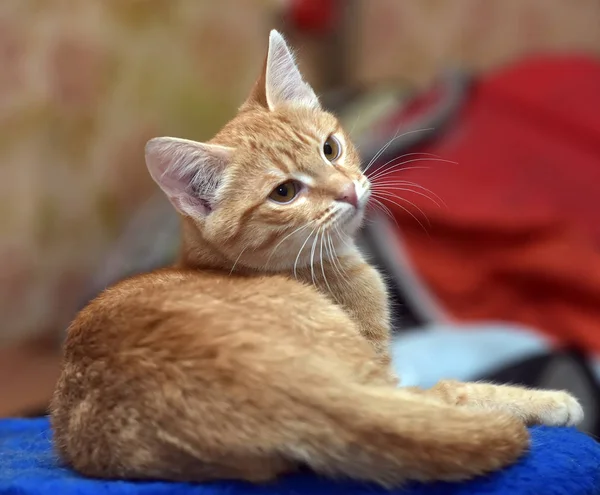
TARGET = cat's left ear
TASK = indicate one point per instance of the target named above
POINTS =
(188, 172)
(281, 82)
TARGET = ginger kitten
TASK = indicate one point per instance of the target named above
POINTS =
(266, 348)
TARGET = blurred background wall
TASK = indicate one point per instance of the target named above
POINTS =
(414, 39)
(83, 85)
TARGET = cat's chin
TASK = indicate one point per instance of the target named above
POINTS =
(350, 223)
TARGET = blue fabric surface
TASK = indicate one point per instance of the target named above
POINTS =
(562, 461)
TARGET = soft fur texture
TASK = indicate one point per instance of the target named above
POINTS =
(266, 349)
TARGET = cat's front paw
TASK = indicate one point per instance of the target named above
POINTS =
(556, 408)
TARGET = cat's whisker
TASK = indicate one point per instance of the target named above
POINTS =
(386, 210)
(300, 252)
(423, 155)
(385, 195)
(312, 256)
(354, 125)
(323, 266)
(387, 183)
(381, 150)
(389, 190)
(399, 167)
(237, 259)
(286, 237)
(393, 192)
(330, 252)
(387, 170)
(427, 156)
(341, 235)
(408, 211)
(337, 265)
(387, 145)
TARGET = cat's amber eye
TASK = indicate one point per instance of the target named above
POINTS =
(284, 193)
(332, 149)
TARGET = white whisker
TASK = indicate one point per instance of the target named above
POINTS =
(409, 212)
(385, 184)
(386, 171)
(354, 125)
(387, 196)
(418, 153)
(237, 259)
(386, 210)
(300, 251)
(387, 145)
(286, 237)
(398, 188)
(427, 156)
(323, 266)
(312, 256)
(335, 261)
(341, 235)
(397, 168)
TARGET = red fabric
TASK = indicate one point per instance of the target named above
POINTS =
(520, 237)
(318, 16)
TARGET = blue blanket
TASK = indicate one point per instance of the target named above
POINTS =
(562, 461)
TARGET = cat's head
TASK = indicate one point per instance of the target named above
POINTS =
(278, 182)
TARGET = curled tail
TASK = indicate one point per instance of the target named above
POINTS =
(390, 436)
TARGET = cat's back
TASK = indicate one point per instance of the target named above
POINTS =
(184, 328)
(188, 287)
(172, 308)
(198, 291)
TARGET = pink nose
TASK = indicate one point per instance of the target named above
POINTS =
(348, 195)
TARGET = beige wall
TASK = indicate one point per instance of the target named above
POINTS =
(414, 39)
(83, 85)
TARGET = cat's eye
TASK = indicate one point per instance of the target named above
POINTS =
(285, 193)
(332, 148)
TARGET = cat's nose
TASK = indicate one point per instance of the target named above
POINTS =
(348, 195)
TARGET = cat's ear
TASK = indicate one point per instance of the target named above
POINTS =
(188, 172)
(281, 82)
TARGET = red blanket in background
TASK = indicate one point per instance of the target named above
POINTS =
(520, 237)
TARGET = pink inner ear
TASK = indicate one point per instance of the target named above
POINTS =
(188, 172)
(284, 83)
(191, 194)
(191, 205)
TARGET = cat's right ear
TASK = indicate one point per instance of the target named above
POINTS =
(188, 172)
